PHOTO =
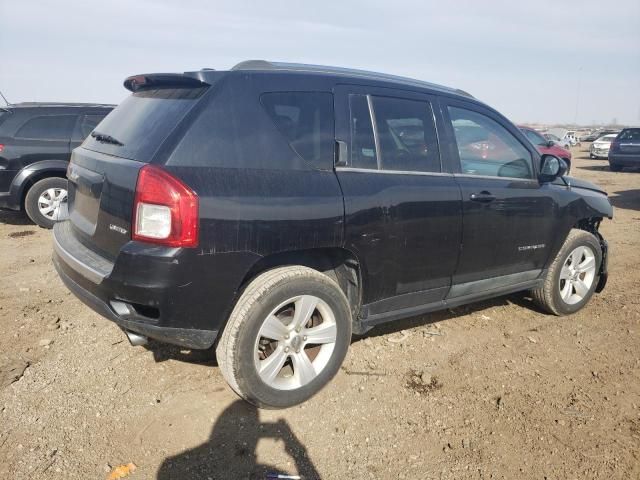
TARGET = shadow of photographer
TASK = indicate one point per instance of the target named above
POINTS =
(230, 452)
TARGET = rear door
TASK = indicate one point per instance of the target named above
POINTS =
(402, 212)
(43, 137)
(508, 216)
(104, 170)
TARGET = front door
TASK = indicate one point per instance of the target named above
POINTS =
(508, 216)
(402, 213)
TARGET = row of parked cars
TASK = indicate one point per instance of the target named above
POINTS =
(36, 140)
(272, 210)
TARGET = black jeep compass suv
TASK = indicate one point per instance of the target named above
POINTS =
(36, 140)
(273, 209)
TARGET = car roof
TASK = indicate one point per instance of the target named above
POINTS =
(58, 105)
(345, 73)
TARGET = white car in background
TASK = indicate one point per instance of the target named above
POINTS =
(600, 148)
(566, 143)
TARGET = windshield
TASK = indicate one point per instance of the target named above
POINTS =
(535, 137)
(606, 138)
(139, 125)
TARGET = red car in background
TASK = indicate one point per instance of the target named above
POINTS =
(547, 146)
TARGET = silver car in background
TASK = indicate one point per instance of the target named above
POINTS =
(600, 148)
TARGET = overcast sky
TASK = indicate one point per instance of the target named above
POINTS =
(539, 61)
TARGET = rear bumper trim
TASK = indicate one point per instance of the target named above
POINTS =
(93, 274)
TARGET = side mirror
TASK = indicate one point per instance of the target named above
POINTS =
(550, 143)
(551, 167)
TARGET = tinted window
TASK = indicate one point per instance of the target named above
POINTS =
(630, 134)
(234, 130)
(49, 127)
(363, 145)
(306, 121)
(535, 137)
(487, 148)
(406, 135)
(143, 121)
(88, 123)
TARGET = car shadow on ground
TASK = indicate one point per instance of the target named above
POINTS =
(11, 217)
(626, 199)
(230, 451)
(594, 168)
(164, 351)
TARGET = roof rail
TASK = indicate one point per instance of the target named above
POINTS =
(302, 67)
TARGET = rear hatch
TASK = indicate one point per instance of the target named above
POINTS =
(103, 171)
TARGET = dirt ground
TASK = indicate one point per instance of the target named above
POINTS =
(493, 390)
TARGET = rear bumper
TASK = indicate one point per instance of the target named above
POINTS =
(118, 292)
(630, 160)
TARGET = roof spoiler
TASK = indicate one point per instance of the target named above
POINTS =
(156, 80)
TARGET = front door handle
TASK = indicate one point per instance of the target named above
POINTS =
(484, 197)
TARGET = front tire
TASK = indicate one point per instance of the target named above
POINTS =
(573, 275)
(286, 337)
(46, 201)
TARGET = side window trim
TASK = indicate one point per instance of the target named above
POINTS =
(448, 103)
(374, 127)
(342, 92)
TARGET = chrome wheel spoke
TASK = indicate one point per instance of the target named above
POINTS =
(302, 367)
(565, 273)
(587, 264)
(565, 292)
(273, 328)
(305, 306)
(323, 333)
(46, 210)
(271, 366)
(581, 288)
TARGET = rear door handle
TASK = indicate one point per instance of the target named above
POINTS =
(484, 197)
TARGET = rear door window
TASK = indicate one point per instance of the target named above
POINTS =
(406, 135)
(48, 127)
(306, 121)
(88, 123)
(143, 121)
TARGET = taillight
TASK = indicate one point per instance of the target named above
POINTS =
(613, 145)
(1, 147)
(165, 210)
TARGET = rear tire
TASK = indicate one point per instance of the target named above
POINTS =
(267, 351)
(573, 275)
(46, 201)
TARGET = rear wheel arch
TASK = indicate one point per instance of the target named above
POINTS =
(339, 264)
(35, 177)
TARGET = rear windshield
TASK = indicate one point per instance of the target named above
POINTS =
(142, 122)
(630, 134)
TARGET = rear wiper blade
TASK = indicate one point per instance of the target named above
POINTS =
(104, 138)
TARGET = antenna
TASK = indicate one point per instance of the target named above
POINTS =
(5, 99)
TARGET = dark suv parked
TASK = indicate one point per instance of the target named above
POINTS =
(274, 209)
(36, 140)
(625, 150)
